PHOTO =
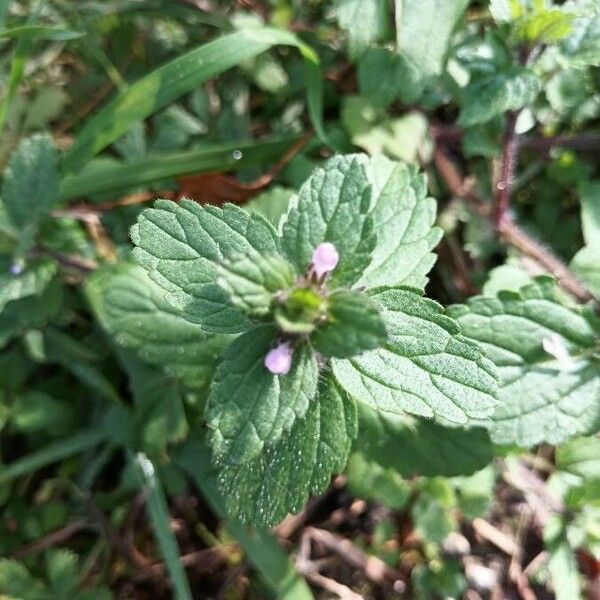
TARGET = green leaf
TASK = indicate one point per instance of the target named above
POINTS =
(159, 517)
(586, 265)
(271, 204)
(222, 157)
(353, 325)
(132, 308)
(248, 406)
(426, 368)
(31, 312)
(424, 30)
(181, 246)
(30, 185)
(368, 479)
(542, 399)
(42, 32)
(31, 282)
(17, 582)
(385, 76)
(582, 47)
(563, 563)
(159, 410)
(178, 77)
(261, 547)
(580, 456)
(279, 480)
(36, 411)
(403, 217)
(333, 206)
(62, 570)
(412, 446)
(85, 439)
(370, 128)
(590, 212)
(372, 15)
(487, 97)
(545, 26)
(251, 282)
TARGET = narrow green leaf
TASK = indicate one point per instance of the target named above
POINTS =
(182, 245)
(43, 32)
(261, 547)
(30, 184)
(404, 218)
(353, 325)
(132, 308)
(487, 97)
(544, 397)
(411, 446)
(54, 452)
(562, 565)
(159, 516)
(101, 178)
(172, 80)
(424, 29)
(590, 212)
(426, 368)
(248, 406)
(279, 480)
(333, 206)
(31, 282)
(251, 282)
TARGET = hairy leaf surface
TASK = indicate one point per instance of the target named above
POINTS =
(182, 245)
(542, 398)
(426, 368)
(279, 480)
(249, 407)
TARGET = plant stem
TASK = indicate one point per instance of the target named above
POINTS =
(508, 164)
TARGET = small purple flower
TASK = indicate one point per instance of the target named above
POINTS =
(279, 360)
(16, 269)
(325, 259)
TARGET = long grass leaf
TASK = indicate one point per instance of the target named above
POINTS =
(180, 76)
(215, 157)
(52, 453)
(159, 516)
(261, 547)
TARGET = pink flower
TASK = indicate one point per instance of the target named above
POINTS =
(325, 258)
(279, 360)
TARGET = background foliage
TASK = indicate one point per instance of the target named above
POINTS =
(479, 124)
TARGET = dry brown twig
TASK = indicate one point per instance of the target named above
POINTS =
(508, 230)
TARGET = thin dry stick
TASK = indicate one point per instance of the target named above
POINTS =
(508, 164)
(374, 568)
(55, 537)
(510, 232)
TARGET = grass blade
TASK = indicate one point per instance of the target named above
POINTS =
(159, 515)
(216, 157)
(180, 76)
(260, 546)
(52, 453)
(56, 34)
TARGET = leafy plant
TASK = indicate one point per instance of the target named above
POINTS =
(338, 259)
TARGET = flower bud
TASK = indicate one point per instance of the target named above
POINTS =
(279, 360)
(325, 258)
